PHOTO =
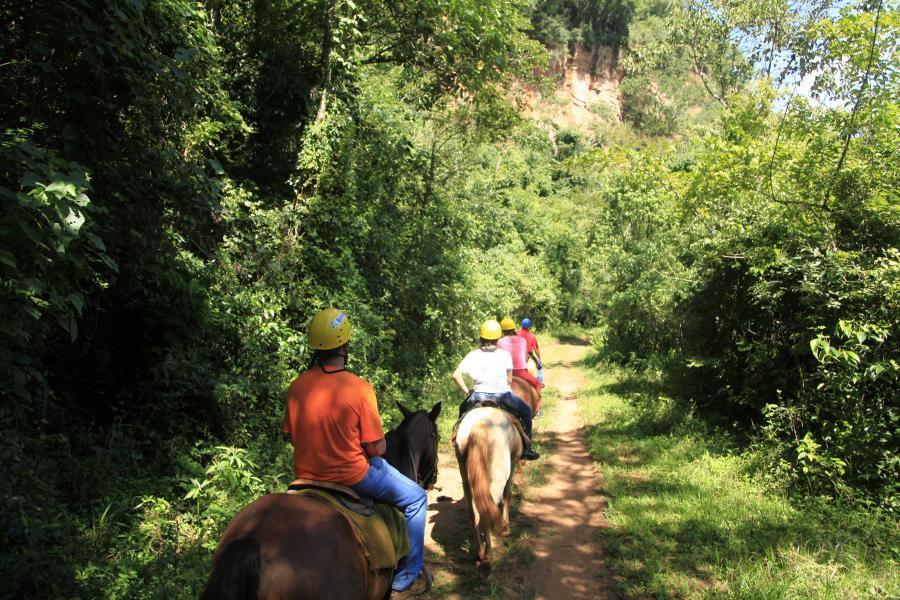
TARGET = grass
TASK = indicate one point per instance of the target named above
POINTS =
(688, 519)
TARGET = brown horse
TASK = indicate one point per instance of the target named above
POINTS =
(287, 546)
(528, 394)
(488, 446)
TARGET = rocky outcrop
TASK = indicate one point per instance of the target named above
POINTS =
(587, 91)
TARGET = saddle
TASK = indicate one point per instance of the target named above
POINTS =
(379, 528)
(490, 403)
(349, 499)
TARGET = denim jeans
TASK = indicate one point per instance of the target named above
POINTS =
(384, 482)
(507, 400)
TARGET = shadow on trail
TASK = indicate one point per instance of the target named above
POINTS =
(451, 528)
(453, 533)
(572, 340)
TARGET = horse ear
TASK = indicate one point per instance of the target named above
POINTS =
(435, 411)
(406, 412)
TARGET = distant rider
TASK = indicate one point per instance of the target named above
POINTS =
(333, 422)
(491, 371)
(518, 347)
(533, 350)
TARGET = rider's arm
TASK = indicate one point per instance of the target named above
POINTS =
(459, 381)
(370, 430)
(376, 448)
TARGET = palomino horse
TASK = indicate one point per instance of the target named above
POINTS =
(488, 446)
(287, 546)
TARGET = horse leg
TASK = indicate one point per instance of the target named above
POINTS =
(478, 527)
(505, 529)
(487, 548)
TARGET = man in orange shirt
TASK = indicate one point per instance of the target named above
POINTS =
(333, 422)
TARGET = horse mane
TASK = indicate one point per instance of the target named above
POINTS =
(396, 453)
(400, 445)
(478, 460)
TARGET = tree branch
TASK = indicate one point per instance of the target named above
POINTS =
(862, 90)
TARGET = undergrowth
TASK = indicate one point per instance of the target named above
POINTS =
(691, 517)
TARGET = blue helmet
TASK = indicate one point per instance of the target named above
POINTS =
(526, 322)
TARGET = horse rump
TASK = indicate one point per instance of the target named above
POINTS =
(235, 573)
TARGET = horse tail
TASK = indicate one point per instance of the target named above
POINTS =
(235, 574)
(478, 471)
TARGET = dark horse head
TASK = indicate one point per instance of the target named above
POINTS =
(412, 448)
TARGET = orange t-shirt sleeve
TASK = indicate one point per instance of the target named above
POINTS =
(370, 429)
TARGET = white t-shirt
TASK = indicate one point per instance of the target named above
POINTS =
(488, 370)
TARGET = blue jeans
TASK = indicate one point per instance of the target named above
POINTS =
(507, 400)
(384, 482)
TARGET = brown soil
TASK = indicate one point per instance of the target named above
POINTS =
(555, 552)
(583, 80)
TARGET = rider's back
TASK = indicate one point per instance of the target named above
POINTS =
(517, 348)
(329, 415)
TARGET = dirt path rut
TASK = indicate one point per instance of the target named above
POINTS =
(567, 512)
(555, 552)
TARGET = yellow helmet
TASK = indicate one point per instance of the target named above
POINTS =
(507, 324)
(329, 329)
(490, 330)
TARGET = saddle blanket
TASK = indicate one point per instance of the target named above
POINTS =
(383, 536)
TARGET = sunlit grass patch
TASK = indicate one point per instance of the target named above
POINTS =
(688, 520)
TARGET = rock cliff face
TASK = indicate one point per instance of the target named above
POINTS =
(587, 91)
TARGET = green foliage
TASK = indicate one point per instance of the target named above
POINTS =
(688, 518)
(589, 23)
(49, 259)
(184, 184)
(848, 424)
(775, 235)
(242, 164)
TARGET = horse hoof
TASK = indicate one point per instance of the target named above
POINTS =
(506, 532)
(483, 567)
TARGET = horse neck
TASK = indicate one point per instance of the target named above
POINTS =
(402, 455)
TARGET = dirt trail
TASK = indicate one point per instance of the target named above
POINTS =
(557, 522)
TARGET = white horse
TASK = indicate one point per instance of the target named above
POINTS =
(488, 447)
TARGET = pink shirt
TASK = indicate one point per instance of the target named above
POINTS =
(516, 346)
